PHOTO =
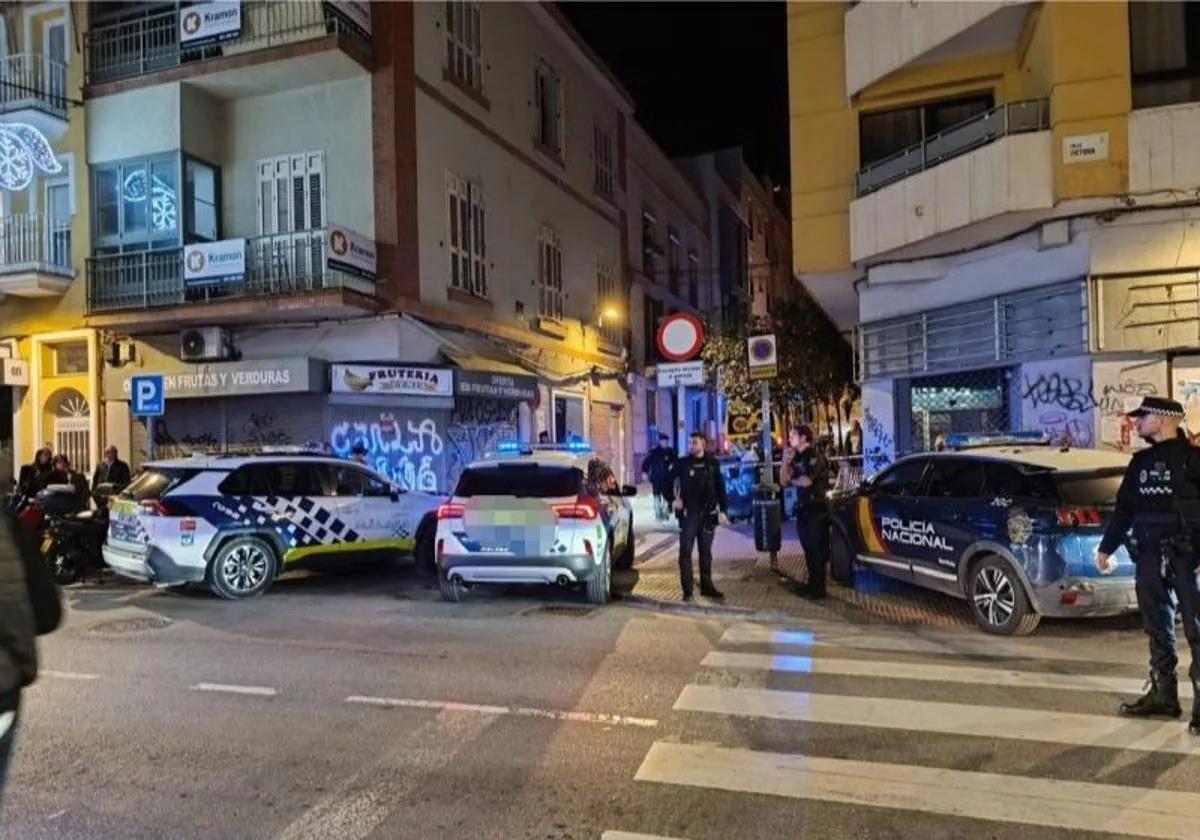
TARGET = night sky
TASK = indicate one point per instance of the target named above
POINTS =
(704, 75)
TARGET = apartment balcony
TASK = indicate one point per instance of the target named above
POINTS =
(992, 165)
(35, 255)
(33, 90)
(278, 46)
(286, 279)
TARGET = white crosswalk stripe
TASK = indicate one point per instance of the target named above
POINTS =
(759, 673)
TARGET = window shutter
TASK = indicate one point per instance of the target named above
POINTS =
(316, 190)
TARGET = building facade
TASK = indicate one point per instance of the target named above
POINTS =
(49, 383)
(995, 198)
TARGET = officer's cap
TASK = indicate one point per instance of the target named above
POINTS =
(1158, 405)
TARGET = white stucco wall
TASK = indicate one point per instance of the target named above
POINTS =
(135, 123)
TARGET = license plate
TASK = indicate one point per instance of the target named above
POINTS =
(46, 543)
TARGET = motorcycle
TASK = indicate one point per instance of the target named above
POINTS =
(72, 542)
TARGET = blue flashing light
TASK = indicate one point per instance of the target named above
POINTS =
(509, 446)
(966, 440)
(579, 446)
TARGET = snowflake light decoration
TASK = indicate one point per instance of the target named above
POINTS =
(162, 198)
(23, 151)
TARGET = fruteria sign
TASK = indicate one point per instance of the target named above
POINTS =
(351, 252)
(214, 263)
(762, 358)
(207, 23)
(680, 374)
(680, 337)
(404, 380)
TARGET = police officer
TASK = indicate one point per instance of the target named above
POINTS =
(810, 476)
(698, 498)
(1159, 499)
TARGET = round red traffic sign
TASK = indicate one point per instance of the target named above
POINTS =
(680, 337)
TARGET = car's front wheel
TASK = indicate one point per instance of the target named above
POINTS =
(998, 600)
(243, 568)
(599, 585)
(841, 558)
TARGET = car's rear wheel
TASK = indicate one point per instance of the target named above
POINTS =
(998, 600)
(841, 558)
(625, 560)
(423, 553)
(599, 585)
(243, 568)
(452, 589)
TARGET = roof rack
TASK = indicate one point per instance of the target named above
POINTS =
(967, 440)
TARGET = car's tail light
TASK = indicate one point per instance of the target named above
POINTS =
(1075, 517)
(1069, 599)
(450, 511)
(164, 507)
(578, 509)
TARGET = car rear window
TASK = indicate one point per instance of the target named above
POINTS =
(532, 481)
(1090, 488)
(153, 483)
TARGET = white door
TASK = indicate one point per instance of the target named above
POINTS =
(291, 219)
(56, 62)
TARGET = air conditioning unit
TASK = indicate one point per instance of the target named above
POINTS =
(205, 344)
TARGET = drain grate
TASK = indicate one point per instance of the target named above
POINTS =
(568, 610)
(129, 626)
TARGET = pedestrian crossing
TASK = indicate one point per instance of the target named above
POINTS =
(855, 731)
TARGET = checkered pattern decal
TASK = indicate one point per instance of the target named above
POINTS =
(300, 522)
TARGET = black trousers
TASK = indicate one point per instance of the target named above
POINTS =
(812, 527)
(1159, 598)
(691, 531)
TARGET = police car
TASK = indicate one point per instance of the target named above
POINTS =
(535, 515)
(236, 522)
(1009, 524)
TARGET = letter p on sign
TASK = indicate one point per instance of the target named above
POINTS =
(148, 395)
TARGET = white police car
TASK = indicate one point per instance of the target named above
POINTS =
(237, 522)
(536, 515)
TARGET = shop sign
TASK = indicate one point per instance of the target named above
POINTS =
(496, 386)
(227, 379)
(206, 23)
(405, 380)
(350, 252)
(14, 372)
(357, 13)
(214, 263)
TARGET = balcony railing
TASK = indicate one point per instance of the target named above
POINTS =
(1013, 118)
(284, 264)
(28, 80)
(151, 44)
(35, 242)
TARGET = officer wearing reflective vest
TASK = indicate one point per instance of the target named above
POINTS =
(1158, 505)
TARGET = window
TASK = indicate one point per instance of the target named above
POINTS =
(693, 278)
(291, 193)
(349, 480)
(653, 313)
(883, 133)
(550, 284)
(602, 151)
(524, 481)
(649, 243)
(70, 358)
(467, 240)
(200, 224)
(570, 423)
(464, 53)
(608, 296)
(56, 54)
(903, 479)
(955, 478)
(58, 222)
(1164, 44)
(548, 109)
(278, 479)
(673, 267)
(136, 203)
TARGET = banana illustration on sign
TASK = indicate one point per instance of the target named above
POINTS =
(355, 382)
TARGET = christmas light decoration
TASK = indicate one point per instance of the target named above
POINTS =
(23, 151)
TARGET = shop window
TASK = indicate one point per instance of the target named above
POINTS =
(883, 133)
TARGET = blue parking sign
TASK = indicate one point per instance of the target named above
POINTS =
(147, 395)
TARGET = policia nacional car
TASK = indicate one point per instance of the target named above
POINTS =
(1012, 528)
(235, 523)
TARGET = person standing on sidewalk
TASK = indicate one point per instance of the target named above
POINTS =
(698, 498)
(810, 476)
(29, 606)
(657, 467)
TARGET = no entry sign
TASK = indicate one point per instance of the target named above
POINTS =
(680, 337)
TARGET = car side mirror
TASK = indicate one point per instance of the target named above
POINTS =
(628, 490)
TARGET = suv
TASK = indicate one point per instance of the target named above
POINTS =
(1011, 529)
(236, 522)
(535, 515)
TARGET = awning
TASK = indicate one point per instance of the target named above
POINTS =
(485, 368)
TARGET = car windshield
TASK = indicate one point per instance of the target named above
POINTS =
(1088, 488)
(153, 483)
(525, 481)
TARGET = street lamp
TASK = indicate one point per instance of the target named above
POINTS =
(609, 314)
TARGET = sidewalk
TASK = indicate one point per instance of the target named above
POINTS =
(749, 584)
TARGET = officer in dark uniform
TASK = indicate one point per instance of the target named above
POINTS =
(698, 498)
(810, 476)
(1159, 499)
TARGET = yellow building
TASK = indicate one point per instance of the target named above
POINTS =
(999, 200)
(49, 379)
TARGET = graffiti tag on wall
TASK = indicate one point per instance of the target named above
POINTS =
(1058, 399)
(881, 445)
(476, 428)
(404, 453)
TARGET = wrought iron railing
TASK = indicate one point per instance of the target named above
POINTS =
(283, 264)
(1001, 121)
(150, 44)
(35, 242)
(31, 80)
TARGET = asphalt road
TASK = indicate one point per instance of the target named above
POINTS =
(354, 704)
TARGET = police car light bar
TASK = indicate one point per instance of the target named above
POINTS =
(516, 447)
(964, 440)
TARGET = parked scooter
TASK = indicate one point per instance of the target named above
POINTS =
(74, 536)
